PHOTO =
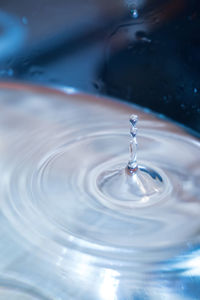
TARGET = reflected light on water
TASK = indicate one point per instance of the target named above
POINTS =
(108, 288)
(192, 265)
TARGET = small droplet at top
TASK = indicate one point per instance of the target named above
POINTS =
(134, 13)
(133, 119)
(132, 166)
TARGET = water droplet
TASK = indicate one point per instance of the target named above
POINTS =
(133, 185)
(134, 13)
(132, 164)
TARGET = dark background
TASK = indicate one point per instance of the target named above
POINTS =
(145, 52)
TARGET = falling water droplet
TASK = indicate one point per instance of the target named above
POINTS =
(132, 164)
(134, 184)
(134, 13)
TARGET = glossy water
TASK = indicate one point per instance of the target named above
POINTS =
(15, 290)
(84, 222)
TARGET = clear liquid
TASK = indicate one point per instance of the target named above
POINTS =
(64, 190)
(12, 289)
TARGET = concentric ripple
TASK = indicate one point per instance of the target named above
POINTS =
(11, 289)
(84, 210)
(63, 174)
